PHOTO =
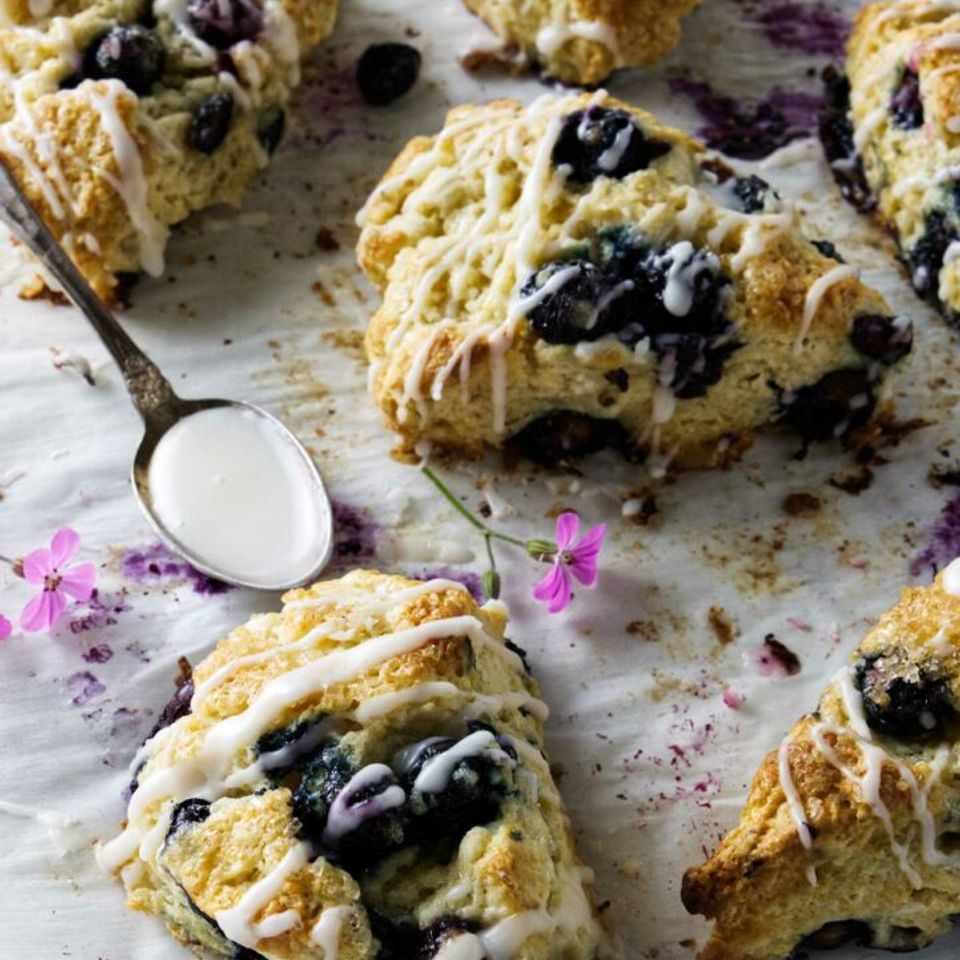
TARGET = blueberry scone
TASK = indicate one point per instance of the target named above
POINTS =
(892, 134)
(359, 776)
(574, 275)
(584, 41)
(851, 830)
(121, 117)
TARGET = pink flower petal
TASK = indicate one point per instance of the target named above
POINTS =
(43, 611)
(64, 545)
(584, 564)
(78, 581)
(568, 526)
(554, 589)
(37, 565)
(6, 627)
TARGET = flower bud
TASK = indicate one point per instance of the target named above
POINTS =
(491, 585)
(541, 549)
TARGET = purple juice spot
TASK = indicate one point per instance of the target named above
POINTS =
(812, 28)
(773, 658)
(156, 564)
(101, 653)
(102, 611)
(751, 129)
(85, 687)
(354, 536)
(943, 545)
(471, 581)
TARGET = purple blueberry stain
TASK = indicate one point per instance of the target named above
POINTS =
(85, 687)
(354, 536)
(816, 29)
(943, 545)
(773, 658)
(156, 564)
(101, 611)
(472, 581)
(750, 129)
(100, 653)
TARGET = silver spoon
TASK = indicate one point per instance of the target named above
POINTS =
(158, 405)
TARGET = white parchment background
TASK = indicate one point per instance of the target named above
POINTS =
(654, 766)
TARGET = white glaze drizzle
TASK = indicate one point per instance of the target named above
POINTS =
(327, 930)
(436, 772)
(815, 295)
(553, 37)
(345, 817)
(951, 578)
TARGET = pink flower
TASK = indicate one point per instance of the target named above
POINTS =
(6, 627)
(576, 557)
(48, 567)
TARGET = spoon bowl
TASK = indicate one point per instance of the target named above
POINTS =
(161, 410)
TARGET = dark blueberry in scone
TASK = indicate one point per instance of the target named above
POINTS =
(686, 291)
(900, 698)
(836, 404)
(440, 932)
(574, 300)
(906, 106)
(386, 71)
(837, 934)
(886, 339)
(600, 142)
(565, 435)
(223, 23)
(186, 814)
(828, 250)
(291, 747)
(399, 937)
(132, 54)
(926, 257)
(752, 193)
(451, 796)
(519, 651)
(357, 813)
(836, 135)
(271, 128)
(211, 123)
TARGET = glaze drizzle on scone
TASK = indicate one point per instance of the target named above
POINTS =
(891, 133)
(850, 828)
(576, 265)
(359, 776)
(119, 118)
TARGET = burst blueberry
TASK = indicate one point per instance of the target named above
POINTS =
(211, 123)
(224, 23)
(885, 339)
(600, 142)
(906, 104)
(439, 933)
(132, 54)
(271, 128)
(926, 257)
(901, 699)
(186, 814)
(752, 193)
(838, 403)
(386, 71)
(565, 435)
(836, 135)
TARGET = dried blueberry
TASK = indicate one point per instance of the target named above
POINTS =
(211, 123)
(906, 104)
(565, 435)
(271, 128)
(186, 814)
(440, 932)
(886, 339)
(132, 54)
(900, 698)
(355, 813)
(836, 134)
(223, 23)
(926, 257)
(574, 300)
(386, 71)
(752, 193)
(827, 249)
(600, 142)
(839, 402)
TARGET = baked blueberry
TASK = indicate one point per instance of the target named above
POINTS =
(752, 193)
(886, 339)
(399, 937)
(358, 814)
(564, 435)
(836, 404)
(837, 934)
(926, 257)
(574, 300)
(271, 128)
(683, 291)
(186, 814)
(132, 54)
(386, 71)
(906, 105)
(442, 930)
(211, 123)
(600, 142)
(902, 699)
(836, 134)
(224, 23)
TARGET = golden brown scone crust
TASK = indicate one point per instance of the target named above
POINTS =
(196, 873)
(461, 221)
(909, 142)
(756, 885)
(111, 171)
(583, 41)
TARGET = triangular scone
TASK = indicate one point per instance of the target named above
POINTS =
(119, 118)
(851, 831)
(583, 41)
(573, 274)
(359, 776)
